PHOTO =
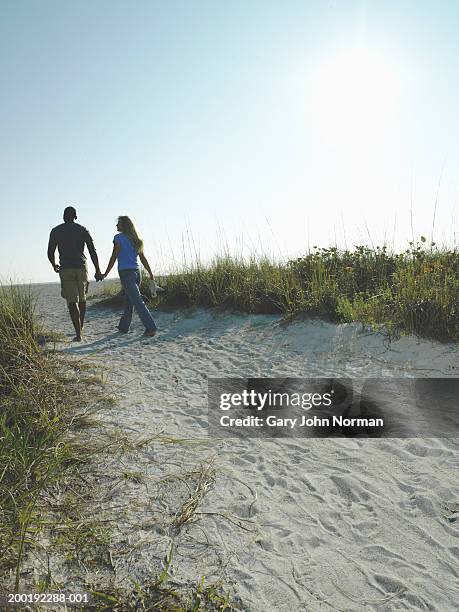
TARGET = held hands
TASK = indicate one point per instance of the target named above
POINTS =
(99, 276)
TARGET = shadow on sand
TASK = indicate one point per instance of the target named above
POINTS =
(117, 339)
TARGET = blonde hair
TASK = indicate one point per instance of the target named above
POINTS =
(128, 228)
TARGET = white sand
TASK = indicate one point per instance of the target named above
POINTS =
(333, 524)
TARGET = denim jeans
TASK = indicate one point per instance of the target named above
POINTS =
(130, 280)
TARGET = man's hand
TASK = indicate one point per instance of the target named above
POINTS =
(56, 267)
(99, 276)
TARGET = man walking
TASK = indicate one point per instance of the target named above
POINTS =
(70, 238)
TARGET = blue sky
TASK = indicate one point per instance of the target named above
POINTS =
(254, 126)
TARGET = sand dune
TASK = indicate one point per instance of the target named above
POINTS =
(324, 524)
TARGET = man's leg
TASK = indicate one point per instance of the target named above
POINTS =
(81, 277)
(82, 309)
(70, 291)
(75, 316)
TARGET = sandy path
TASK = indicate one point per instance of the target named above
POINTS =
(335, 524)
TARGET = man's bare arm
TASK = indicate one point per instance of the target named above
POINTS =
(52, 244)
(93, 255)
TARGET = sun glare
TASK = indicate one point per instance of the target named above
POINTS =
(354, 99)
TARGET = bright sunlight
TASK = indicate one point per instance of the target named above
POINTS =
(354, 100)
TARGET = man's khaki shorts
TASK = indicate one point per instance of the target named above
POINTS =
(74, 284)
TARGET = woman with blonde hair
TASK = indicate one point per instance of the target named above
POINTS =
(128, 248)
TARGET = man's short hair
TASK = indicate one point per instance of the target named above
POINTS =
(70, 214)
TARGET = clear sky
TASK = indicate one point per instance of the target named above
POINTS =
(260, 127)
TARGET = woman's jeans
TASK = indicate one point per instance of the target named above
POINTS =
(130, 280)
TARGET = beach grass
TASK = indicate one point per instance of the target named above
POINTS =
(33, 418)
(44, 399)
(412, 292)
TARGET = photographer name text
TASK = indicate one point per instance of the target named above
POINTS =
(291, 423)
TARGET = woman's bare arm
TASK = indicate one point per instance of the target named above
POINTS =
(145, 264)
(111, 263)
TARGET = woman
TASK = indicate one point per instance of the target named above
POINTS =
(127, 247)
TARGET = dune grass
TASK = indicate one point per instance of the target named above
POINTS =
(415, 292)
(43, 402)
(34, 401)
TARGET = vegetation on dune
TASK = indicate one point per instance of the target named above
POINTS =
(413, 292)
(33, 418)
(416, 291)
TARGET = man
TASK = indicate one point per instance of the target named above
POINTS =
(70, 238)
